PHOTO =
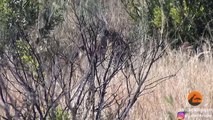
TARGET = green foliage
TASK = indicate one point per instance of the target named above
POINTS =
(23, 12)
(135, 11)
(17, 20)
(53, 15)
(186, 20)
(175, 14)
(4, 11)
(16, 17)
(181, 20)
(23, 50)
(61, 115)
(157, 21)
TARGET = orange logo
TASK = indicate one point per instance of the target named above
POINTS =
(195, 98)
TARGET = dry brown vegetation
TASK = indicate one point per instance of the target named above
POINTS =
(194, 75)
(131, 88)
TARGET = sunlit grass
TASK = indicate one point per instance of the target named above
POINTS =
(193, 75)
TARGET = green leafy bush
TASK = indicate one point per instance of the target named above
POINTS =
(61, 115)
(182, 20)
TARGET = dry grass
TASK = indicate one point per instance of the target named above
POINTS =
(194, 75)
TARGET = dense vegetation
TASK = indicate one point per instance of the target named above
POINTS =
(178, 20)
(42, 42)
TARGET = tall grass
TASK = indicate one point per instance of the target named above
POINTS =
(170, 96)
